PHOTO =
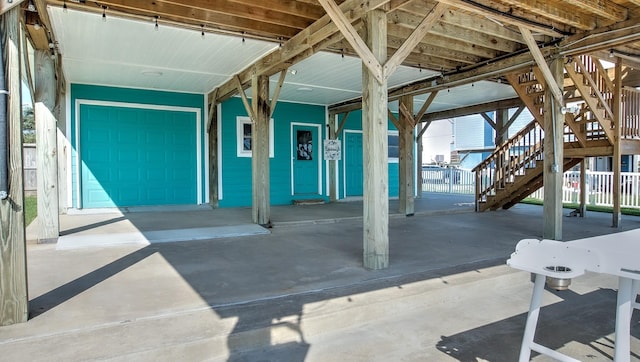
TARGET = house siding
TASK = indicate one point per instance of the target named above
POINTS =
(236, 171)
(354, 124)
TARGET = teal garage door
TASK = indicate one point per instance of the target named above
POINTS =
(353, 163)
(136, 157)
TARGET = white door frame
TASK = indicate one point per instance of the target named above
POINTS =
(317, 151)
(91, 102)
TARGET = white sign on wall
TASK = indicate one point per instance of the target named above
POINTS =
(332, 150)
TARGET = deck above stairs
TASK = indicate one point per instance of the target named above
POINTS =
(515, 169)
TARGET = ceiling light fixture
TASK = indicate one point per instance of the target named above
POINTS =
(293, 72)
(151, 73)
(611, 55)
(31, 7)
(104, 13)
(202, 30)
(156, 26)
(243, 38)
(64, 6)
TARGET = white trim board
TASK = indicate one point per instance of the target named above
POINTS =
(318, 151)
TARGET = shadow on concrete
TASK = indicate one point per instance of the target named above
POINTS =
(265, 282)
(65, 292)
(92, 226)
(587, 319)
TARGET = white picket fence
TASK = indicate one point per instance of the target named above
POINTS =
(599, 186)
(449, 180)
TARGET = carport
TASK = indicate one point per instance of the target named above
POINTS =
(412, 52)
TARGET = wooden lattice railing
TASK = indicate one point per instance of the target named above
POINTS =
(630, 113)
(511, 159)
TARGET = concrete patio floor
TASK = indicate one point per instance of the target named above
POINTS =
(300, 292)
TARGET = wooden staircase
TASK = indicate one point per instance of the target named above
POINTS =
(515, 169)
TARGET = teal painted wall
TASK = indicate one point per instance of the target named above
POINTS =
(130, 95)
(354, 123)
(236, 171)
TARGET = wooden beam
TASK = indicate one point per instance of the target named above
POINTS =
(212, 108)
(393, 119)
(602, 38)
(502, 126)
(489, 120)
(351, 35)
(425, 106)
(6, 5)
(47, 147)
(617, 155)
(261, 204)
(514, 116)
(438, 83)
(212, 130)
(416, 37)
(424, 129)
(554, 12)
(542, 65)
(231, 17)
(247, 106)
(375, 149)
(553, 158)
(343, 123)
(583, 188)
(460, 19)
(606, 9)
(13, 256)
(304, 44)
(503, 14)
(406, 198)
(469, 110)
(597, 39)
(406, 114)
(276, 93)
(589, 151)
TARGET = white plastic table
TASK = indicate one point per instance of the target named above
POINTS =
(615, 254)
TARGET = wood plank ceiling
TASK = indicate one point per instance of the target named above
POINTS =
(469, 34)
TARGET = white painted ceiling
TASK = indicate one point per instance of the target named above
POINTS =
(131, 53)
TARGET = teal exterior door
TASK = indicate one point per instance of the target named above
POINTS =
(353, 163)
(135, 157)
(306, 160)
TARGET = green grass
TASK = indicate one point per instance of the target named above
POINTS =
(30, 209)
(596, 208)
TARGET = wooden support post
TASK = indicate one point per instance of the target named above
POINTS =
(553, 157)
(617, 156)
(260, 104)
(502, 119)
(63, 147)
(46, 147)
(583, 188)
(405, 161)
(212, 131)
(375, 150)
(13, 258)
(420, 149)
